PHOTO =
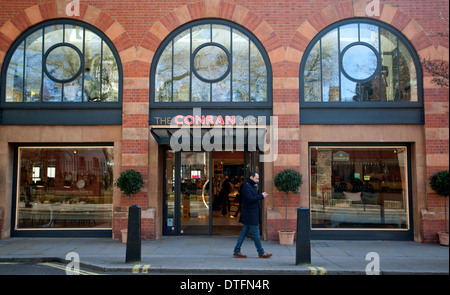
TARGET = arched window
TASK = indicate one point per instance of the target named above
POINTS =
(211, 61)
(61, 64)
(360, 63)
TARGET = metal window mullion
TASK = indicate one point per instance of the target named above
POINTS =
(359, 83)
(62, 84)
(82, 74)
(381, 61)
(210, 84)
(231, 66)
(173, 50)
(398, 69)
(249, 71)
(339, 63)
(191, 62)
(101, 71)
(43, 65)
(321, 70)
(24, 73)
(62, 92)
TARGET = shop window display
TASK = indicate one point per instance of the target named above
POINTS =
(359, 187)
(64, 188)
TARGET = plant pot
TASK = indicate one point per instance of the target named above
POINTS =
(443, 238)
(286, 237)
(124, 235)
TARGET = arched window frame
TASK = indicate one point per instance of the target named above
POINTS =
(361, 112)
(216, 104)
(81, 112)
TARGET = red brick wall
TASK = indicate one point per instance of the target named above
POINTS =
(285, 28)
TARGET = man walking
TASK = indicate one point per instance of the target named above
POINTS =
(250, 216)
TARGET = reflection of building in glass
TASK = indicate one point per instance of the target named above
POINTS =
(362, 187)
(369, 52)
(212, 77)
(49, 62)
(65, 188)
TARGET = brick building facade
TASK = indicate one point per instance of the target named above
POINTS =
(286, 31)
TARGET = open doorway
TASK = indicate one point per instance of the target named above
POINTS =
(228, 177)
(195, 201)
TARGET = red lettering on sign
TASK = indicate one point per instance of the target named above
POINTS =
(189, 120)
(230, 120)
(178, 120)
(207, 120)
(220, 121)
(199, 120)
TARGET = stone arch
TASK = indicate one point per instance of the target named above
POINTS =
(210, 9)
(36, 14)
(390, 15)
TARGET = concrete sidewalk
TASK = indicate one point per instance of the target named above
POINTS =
(213, 255)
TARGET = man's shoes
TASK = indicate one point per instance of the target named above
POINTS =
(265, 255)
(239, 255)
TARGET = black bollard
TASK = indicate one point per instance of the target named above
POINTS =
(303, 243)
(133, 254)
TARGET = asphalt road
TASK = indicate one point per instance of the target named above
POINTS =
(53, 268)
(42, 268)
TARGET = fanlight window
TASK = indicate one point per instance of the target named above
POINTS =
(62, 62)
(359, 62)
(211, 62)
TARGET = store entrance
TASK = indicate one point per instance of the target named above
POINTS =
(201, 191)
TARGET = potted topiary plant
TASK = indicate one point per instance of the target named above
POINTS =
(287, 181)
(439, 182)
(129, 182)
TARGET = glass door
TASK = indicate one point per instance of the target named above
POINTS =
(170, 214)
(187, 200)
(195, 193)
(252, 164)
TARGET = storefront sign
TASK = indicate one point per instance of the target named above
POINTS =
(209, 117)
(209, 120)
(341, 157)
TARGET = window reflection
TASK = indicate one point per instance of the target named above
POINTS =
(33, 65)
(92, 63)
(244, 80)
(258, 75)
(163, 76)
(312, 75)
(211, 62)
(47, 67)
(64, 187)
(241, 70)
(330, 61)
(14, 80)
(359, 62)
(51, 90)
(360, 187)
(63, 63)
(181, 67)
